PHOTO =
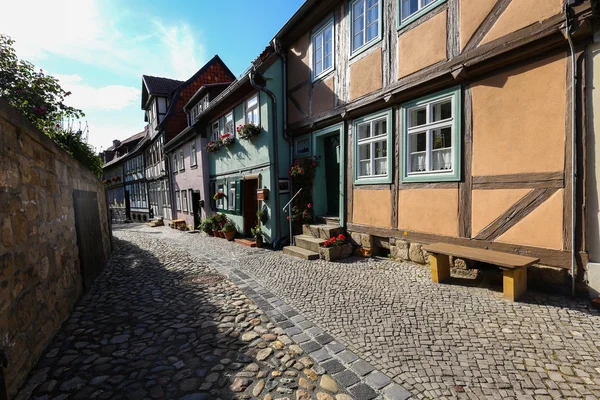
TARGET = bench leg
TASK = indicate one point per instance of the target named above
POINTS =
(440, 268)
(515, 283)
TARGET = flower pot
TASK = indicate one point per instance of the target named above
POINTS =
(229, 235)
(209, 233)
(216, 234)
(335, 253)
(222, 234)
(259, 242)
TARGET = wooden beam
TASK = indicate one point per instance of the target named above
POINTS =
(465, 193)
(396, 122)
(453, 29)
(487, 24)
(515, 214)
(520, 181)
(555, 258)
(349, 174)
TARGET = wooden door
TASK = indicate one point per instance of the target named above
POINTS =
(250, 207)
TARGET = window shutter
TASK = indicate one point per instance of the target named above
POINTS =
(238, 197)
(211, 192)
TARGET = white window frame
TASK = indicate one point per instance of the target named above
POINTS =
(220, 202)
(231, 196)
(313, 40)
(385, 116)
(181, 160)
(215, 131)
(184, 201)
(175, 163)
(230, 125)
(366, 44)
(178, 200)
(193, 154)
(454, 122)
(250, 110)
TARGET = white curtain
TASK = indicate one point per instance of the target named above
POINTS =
(442, 159)
(417, 162)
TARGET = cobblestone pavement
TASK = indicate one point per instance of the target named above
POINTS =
(162, 323)
(437, 341)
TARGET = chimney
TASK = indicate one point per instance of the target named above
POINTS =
(116, 143)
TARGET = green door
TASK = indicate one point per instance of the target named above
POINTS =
(332, 174)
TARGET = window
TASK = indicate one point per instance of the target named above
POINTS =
(430, 135)
(221, 199)
(229, 124)
(184, 200)
(193, 155)
(175, 167)
(191, 201)
(322, 50)
(181, 163)
(252, 111)
(231, 198)
(177, 200)
(412, 9)
(365, 23)
(373, 143)
(215, 131)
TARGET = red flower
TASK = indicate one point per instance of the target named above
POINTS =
(341, 237)
(309, 205)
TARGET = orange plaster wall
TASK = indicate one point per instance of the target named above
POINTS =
(519, 120)
(301, 97)
(366, 75)
(323, 96)
(487, 205)
(299, 61)
(429, 210)
(472, 14)
(522, 13)
(541, 228)
(372, 207)
(422, 46)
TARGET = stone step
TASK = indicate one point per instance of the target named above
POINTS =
(322, 231)
(246, 242)
(326, 220)
(308, 242)
(299, 252)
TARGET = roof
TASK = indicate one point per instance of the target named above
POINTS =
(138, 136)
(160, 86)
(194, 99)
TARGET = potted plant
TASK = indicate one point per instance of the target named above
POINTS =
(229, 230)
(220, 221)
(214, 145)
(258, 235)
(335, 248)
(227, 139)
(262, 215)
(207, 226)
(248, 131)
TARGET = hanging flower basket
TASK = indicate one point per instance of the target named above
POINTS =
(248, 131)
(227, 139)
(305, 169)
(219, 195)
(214, 146)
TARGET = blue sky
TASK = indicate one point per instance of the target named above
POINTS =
(99, 49)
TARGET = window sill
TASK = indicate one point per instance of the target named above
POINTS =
(417, 14)
(431, 178)
(194, 166)
(373, 181)
(323, 75)
(364, 48)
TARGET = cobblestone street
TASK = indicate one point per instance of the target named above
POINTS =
(160, 324)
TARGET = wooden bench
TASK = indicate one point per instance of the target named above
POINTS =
(513, 266)
(176, 222)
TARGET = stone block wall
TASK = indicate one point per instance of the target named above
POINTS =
(40, 277)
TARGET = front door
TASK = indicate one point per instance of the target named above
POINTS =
(196, 208)
(332, 173)
(249, 188)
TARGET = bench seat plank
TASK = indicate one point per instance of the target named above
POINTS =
(504, 260)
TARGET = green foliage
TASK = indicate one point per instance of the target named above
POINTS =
(262, 215)
(229, 227)
(207, 225)
(256, 231)
(40, 98)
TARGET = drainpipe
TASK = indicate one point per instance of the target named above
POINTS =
(275, 148)
(573, 140)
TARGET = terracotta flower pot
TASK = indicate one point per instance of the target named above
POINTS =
(215, 234)
(222, 234)
(229, 235)
(259, 242)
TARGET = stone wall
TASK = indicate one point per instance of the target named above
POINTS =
(40, 276)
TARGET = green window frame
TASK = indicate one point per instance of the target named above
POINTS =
(354, 51)
(370, 144)
(426, 135)
(423, 9)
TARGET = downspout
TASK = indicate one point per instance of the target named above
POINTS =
(573, 142)
(275, 149)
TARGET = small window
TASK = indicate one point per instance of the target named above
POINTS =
(229, 124)
(215, 131)
(181, 160)
(252, 116)
(184, 200)
(193, 155)
(177, 200)
(366, 26)
(221, 199)
(322, 50)
(175, 167)
(191, 199)
(373, 137)
(231, 198)
(412, 9)
(431, 142)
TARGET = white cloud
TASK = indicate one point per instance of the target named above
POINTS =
(89, 31)
(89, 99)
